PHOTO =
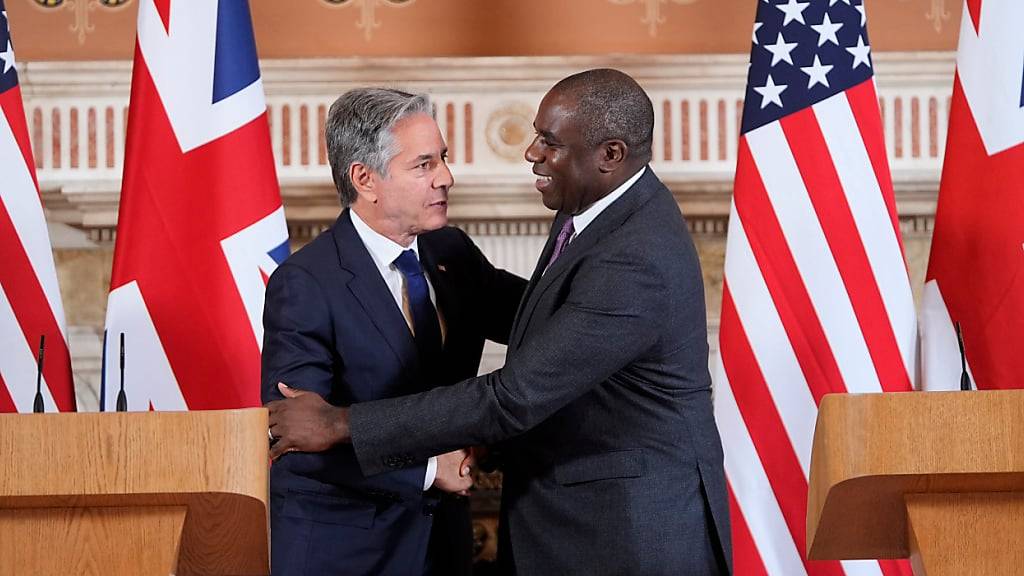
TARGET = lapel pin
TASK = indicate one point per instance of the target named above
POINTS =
(441, 268)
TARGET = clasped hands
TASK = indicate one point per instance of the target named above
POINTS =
(305, 422)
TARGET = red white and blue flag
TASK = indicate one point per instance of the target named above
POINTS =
(30, 304)
(976, 269)
(201, 224)
(816, 296)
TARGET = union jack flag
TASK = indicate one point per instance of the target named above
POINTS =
(976, 267)
(30, 304)
(817, 296)
(201, 225)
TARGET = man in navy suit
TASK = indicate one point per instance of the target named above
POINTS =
(388, 301)
(602, 413)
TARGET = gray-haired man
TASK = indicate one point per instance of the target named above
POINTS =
(388, 301)
(611, 457)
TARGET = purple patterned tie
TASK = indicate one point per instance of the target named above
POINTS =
(561, 242)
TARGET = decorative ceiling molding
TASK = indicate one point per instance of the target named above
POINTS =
(80, 10)
(368, 12)
(652, 11)
(937, 14)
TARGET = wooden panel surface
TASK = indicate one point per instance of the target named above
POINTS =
(134, 453)
(214, 464)
(872, 449)
(60, 541)
(955, 534)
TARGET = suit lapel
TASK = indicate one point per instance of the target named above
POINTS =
(369, 289)
(538, 270)
(607, 222)
(447, 304)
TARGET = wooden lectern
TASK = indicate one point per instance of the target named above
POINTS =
(937, 477)
(134, 493)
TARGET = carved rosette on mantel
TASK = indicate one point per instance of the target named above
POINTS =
(510, 129)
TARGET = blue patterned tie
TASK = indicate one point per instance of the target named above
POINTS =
(425, 326)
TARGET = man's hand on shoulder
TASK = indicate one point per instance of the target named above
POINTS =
(454, 472)
(305, 422)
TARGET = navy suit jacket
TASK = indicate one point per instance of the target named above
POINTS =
(331, 326)
(613, 463)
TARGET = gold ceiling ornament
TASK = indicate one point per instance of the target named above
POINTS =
(368, 17)
(652, 11)
(81, 9)
(937, 14)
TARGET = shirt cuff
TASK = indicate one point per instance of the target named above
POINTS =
(428, 478)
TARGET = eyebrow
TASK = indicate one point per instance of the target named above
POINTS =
(429, 156)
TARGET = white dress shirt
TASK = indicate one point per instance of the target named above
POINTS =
(384, 251)
(583, 219)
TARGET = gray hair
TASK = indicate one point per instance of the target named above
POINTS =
(360, 128)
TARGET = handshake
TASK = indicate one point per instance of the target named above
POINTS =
(454, 471)
(305, 422)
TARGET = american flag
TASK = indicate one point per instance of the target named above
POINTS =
(976, 266)
(816, 296)
(201, 226)
(30, 304)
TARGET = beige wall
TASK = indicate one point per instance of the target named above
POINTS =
(316, 28)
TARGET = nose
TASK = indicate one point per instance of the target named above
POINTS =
(532, 153)
(444, 178)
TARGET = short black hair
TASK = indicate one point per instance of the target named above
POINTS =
(610, 105)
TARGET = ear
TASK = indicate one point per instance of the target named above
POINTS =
(363, 181)
(612, 155)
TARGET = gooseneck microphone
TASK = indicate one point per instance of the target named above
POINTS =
(122, 400)
(37, 405)
(965, 379)
(103, 375)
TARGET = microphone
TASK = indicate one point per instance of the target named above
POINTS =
(37, 405)
(122, 400)
(103, 375)
(965, 379)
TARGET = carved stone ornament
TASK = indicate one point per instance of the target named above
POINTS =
(510, 130)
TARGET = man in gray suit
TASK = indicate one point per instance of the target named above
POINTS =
(602, 416)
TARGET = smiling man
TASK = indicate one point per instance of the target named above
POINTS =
(388, 301)
(602, 414)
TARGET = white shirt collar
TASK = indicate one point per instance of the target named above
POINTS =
(583, 219)
(382, 249)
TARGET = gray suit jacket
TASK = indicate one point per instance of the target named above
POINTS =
(602, 412)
